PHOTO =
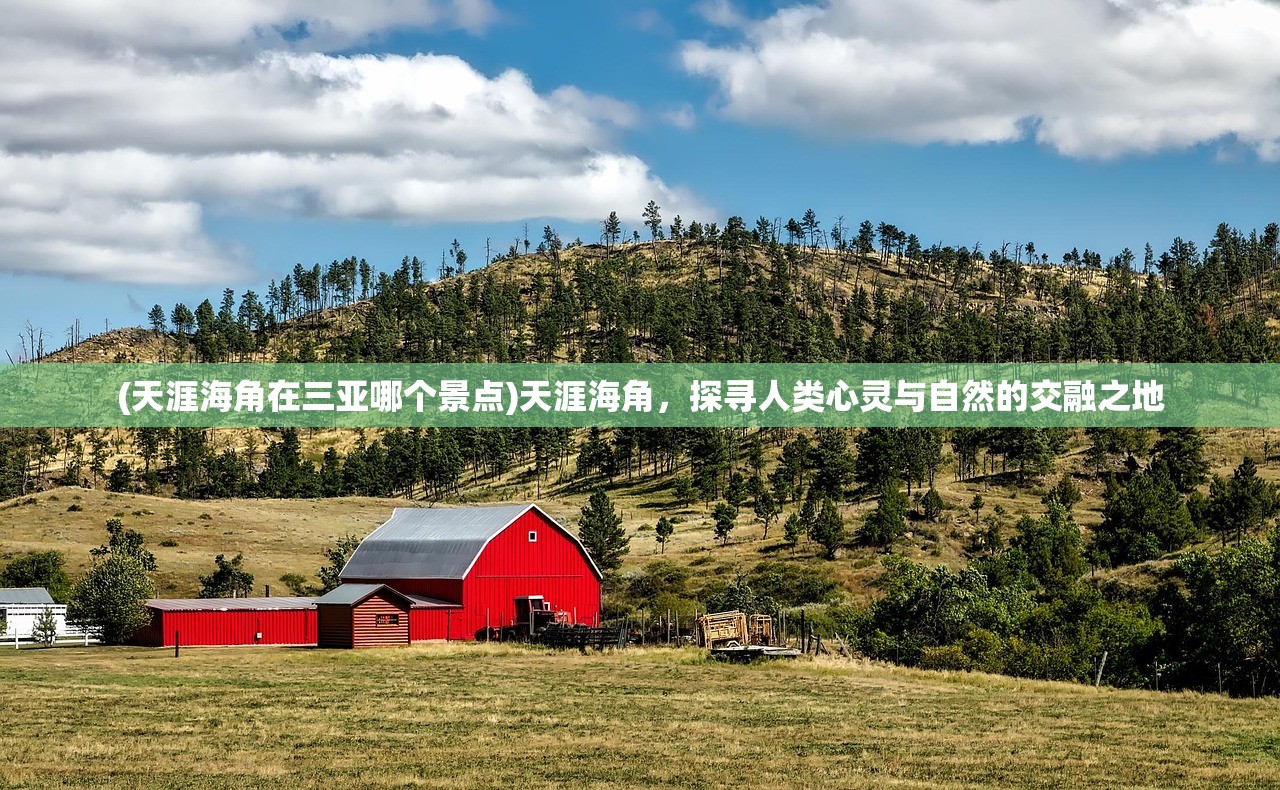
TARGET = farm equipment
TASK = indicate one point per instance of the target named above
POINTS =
(734, 636)
(533, 616)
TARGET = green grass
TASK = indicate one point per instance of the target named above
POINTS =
(466, 715)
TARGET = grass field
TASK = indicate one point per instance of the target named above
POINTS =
(468, 715)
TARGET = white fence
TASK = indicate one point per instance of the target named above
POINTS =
(20, 620)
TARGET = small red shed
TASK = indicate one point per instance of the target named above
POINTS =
(229, 621)
(363, 615)
(471, 564)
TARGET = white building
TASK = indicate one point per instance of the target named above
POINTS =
(19, 608)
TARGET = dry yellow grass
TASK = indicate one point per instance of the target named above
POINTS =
(467, 715)
(275, 536)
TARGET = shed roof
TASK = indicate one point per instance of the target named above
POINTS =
(25, 595)
(229, 604)
(436, 543)
(352, 594)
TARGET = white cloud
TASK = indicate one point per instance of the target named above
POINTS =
(1087, 78)
(682, 117)
(110, 155)
(720, 13)
(190, 28)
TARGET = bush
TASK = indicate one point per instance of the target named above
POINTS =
(791, 584)
(168, 543)
(45, 629)
(297, 584)
(74, 508)
(950, 657)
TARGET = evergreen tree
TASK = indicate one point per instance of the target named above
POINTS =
(663, 532)
(766, 509)
(888, 521)
(121, 479)
(44, 630)
(600, 530)
(832, 462)
(724, 516)
(828, 528)
(931, 505)
(792, 529)
(1181, 451)
(1143, 520)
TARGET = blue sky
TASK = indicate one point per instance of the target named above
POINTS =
(160, 155)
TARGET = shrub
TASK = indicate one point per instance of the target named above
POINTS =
(950, 657)
(45, 629)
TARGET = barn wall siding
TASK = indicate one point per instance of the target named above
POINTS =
(367, 632)
(429, 624)
(334, 626)
(196, 628)
(553, 566)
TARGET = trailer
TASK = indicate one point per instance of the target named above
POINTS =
(733, 636)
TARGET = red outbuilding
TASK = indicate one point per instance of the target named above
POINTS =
(229, 621)
(363, 615)
(465, 568)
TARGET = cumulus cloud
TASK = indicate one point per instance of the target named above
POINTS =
(187, 29)
(1087, 78)
(112, 148)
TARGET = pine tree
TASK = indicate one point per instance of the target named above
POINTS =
(931, 505)
(792, 530)
(663, 532)
(828, 528)
(653, 219)
(724, 516)
(600, 530)
(887, 522)
(766, 509)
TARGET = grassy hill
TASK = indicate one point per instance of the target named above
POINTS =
(280, 537)
(500, 716)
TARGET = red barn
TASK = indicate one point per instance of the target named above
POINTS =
(229, 621)
(463, 569)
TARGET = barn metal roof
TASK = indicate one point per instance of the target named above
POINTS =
(434, 543)
(25, 595)
(352, 594)
(229, 604)
(423, 602)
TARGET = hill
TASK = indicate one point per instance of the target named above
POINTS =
(994, 495)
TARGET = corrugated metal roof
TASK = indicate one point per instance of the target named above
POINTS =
(348, 594)
(429, 543)
(229, 604)
(352, 594)
(25, 595)
(423, 602)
